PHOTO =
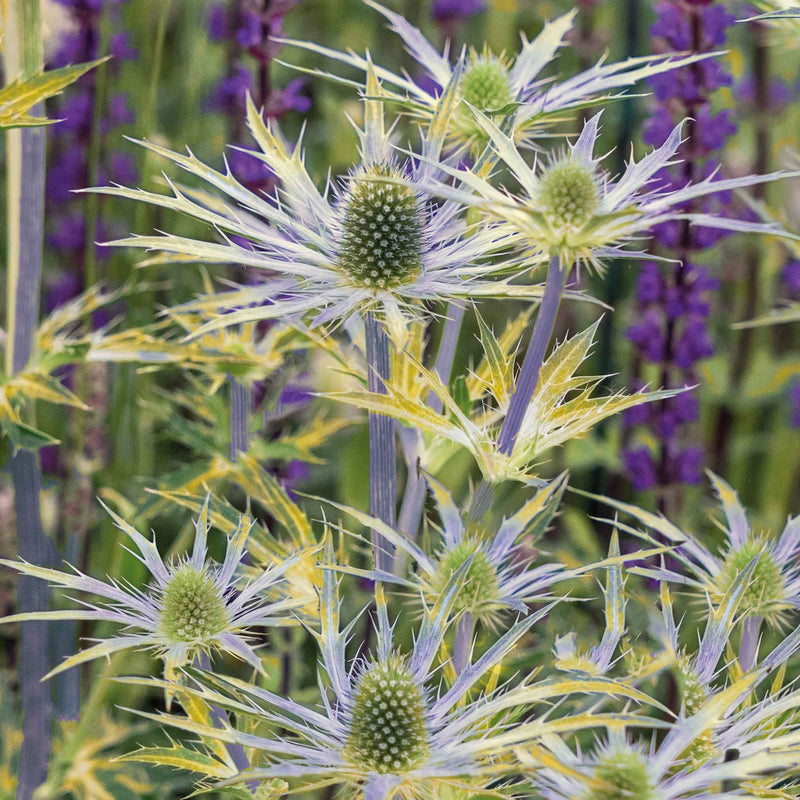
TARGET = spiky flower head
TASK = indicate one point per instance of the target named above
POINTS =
(497, 574)
(575, 211)
(509, 89)
(373, 241)
(381, 229)
(772, 591)
(623, 767)
(388, 727)
(191, 606)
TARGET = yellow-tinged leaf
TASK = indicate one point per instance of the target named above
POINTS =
(20, 96)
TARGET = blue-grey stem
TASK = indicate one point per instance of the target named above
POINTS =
(414, 493)
(382, 447)
(26, 221)
(220, 720)
(239, 418)
(748, 651)
(534, 358)
(462, 645)
(527, 380)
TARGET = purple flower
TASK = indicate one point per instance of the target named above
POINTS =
(121, 49)
(687, 466)
(449, 11)
(790, 277)
(218, 27)
(673, 305)
(794, 399)
(249, 33)
(641, 468)
(292, 98)
(230, 92)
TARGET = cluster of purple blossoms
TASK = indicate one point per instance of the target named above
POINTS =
(247, 28)
(672, 305)
(82, 131)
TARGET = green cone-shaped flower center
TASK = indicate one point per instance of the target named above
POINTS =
(693, 693)
(485, 84)
(480, 582)
(568, 194)
(388, 732)
(766, 583)
(625, 776)
(381, 223)
(192, 610)
(693, 697)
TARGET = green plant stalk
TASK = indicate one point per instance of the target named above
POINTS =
(25, 220)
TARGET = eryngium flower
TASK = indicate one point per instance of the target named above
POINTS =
(387, 732)
(497, 85)
(574, 210)
(379, 243)
(692, 759)
(773, 590)
(192, 606)
(499, 576)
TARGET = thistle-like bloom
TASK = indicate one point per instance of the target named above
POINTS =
(192, 606)
(388, 732)
(499, 576)
(618, 768)
(773, 590)
(693, 758)
(498, 85)
(379, 243)
(575, 211)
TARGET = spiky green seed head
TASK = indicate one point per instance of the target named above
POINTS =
(192, 609)
(693, 698)
(765, 591)
(624, 775)
(388, 732)
(486, 84)
(568, 194)
(480, 587)
(693, 693)
(381, 224)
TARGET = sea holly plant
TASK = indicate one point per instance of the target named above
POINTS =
(192, 607)
(772, 594)
(497, 84)
(387, 731)
(494, 639)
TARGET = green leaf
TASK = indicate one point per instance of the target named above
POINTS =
(20, 96)
(460, 393)
(26, 436)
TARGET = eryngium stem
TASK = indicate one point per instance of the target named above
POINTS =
(527, 380)
(532, 365)
(239, 419)
(415, 489)
(220, 720)
(382, 452)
